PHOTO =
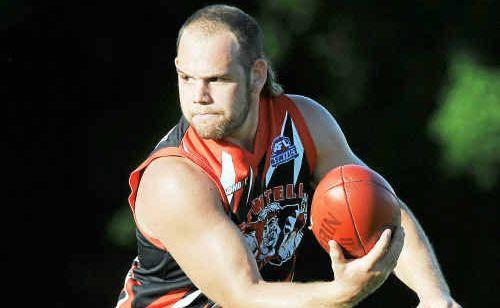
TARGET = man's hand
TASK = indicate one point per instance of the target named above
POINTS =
(361, 277)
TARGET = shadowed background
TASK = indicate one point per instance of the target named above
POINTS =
(91, 88)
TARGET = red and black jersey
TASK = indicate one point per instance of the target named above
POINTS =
(266, 192)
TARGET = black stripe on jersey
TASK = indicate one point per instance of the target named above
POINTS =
(158, 263)
(260, 180)
(200, 301)
(231, 204)
(173, 138)
(256, 189)
(244, 193)
(157, 272)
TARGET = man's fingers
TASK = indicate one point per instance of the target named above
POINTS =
(397, 245)
(390, 258)
(380, 248)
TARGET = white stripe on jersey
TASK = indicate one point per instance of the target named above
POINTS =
(187, 300)
(297, 162)
(228, 176)
(166, 136)
(270, 170)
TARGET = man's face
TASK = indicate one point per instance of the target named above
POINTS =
(213, 86)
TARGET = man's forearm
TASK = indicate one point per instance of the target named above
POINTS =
(354, 279)
(317, 294)
(418, 266)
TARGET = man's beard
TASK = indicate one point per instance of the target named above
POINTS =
(223, 125)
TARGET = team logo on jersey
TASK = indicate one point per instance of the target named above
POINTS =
(283, 151)
(276, 231)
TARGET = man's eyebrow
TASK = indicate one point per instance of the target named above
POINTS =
(221, 74)
(181, 72)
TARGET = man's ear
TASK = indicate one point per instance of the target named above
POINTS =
(258, 75)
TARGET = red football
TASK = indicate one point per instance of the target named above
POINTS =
(352, 205)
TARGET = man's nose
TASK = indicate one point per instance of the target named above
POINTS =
(202, 92)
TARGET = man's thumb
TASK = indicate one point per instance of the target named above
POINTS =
(336, 253)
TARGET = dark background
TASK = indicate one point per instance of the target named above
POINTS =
(91, 88)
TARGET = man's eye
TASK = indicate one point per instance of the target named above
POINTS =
(217, 79)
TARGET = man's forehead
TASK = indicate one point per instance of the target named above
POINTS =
(222, 38)
(207, 53)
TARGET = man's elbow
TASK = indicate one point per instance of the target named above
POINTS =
(245, 295)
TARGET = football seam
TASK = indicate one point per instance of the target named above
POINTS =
(357, 181)
(350, 212)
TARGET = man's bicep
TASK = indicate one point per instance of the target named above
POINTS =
(185, 213)
(331, 144)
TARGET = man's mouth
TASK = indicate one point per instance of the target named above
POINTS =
(205, 116)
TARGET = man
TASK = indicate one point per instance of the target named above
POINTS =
(222, 203)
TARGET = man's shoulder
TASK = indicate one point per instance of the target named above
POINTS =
(170, 180)
(171, 190)
(299, 98)
(310, 109)
(321, 123)
(174, 174)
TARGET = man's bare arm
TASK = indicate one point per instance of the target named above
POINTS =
(179, 205)
(424, 277)
(417, 267)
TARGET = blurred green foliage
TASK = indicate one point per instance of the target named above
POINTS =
(281, 21)
(121, 228)
(326, 40)
(467, 124)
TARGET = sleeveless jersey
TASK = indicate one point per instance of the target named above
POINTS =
(266, 192)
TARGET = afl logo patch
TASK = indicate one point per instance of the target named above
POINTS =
(283, 151)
